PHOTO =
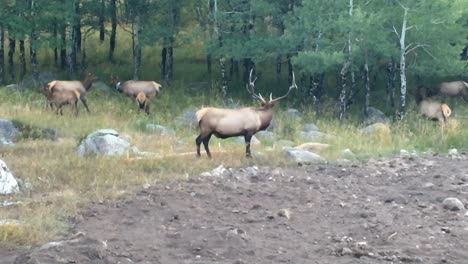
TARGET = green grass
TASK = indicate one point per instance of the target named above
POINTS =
(62, 182)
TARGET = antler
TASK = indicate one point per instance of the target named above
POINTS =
(293, 85)
(251, 88)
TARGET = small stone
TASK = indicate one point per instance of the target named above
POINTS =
(453, 204)
(284, 213)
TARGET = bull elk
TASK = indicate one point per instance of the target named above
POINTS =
(80, 86)
(225, 123)
(452, 89)
(132, 88)
(432, 109)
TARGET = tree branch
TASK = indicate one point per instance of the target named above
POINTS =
(415, 47)
(396, 32)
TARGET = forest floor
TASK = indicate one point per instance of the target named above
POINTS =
(379, 211)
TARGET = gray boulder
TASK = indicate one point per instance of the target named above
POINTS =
(310, 127)
(294, 113)
(188, 118)
(254, 141)
(8, 132)
(266, 135)
(302, 156)
(105, 142)
(8, 183)
(314, 135)
(160, 130)
(375, 116)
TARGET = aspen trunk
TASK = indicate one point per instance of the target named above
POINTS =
(402, 108)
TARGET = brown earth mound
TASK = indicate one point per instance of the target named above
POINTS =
(381, 211)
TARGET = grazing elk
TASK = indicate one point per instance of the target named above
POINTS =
(452, 89)
(80, 86)
(132, 88)
(143, 102)
(61, 98)
(225, 123)
(431, 108)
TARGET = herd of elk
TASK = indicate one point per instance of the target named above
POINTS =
(225, 123)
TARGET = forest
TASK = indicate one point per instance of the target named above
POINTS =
(359, 53)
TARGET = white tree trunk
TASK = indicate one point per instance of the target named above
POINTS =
(402, 109)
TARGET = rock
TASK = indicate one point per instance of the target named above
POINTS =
(302, 156)
(453, 153)
(285, 213)
(253, 142)
(266, 135)
(404, 153)
(347, 153)
(284, 143)
(105, 142)
(378, 131)
(294, 113)
(313, 147)
(315, 135)
(219, 171)
(251, 171)
(8, 132)
(453, 204)
(160, 130)
(310, 127)
(375, 116)
(8, 183)
(79, 249)
(188, 118)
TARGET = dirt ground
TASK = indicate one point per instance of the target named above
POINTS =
(379, 211)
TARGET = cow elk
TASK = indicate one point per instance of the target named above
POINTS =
(432, 109)
(452, 89)
(80, 86)
(225, 123)
(143, 102)
(132, 88)
(61, 98)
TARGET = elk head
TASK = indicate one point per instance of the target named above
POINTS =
(271, 102)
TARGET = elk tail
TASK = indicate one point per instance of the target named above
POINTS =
(200, 113)
(446, 111)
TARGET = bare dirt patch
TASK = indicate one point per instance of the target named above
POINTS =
(380, 211)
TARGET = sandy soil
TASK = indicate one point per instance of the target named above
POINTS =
(380, 211)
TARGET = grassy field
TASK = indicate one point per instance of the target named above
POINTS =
(62, 183)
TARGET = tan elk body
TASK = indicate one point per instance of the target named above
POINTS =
(143, 102)
(80, 86)
(132, 88)
(61, 98)
(225, 123)
(453, 89)
(431, 108)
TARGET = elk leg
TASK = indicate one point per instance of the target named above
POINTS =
(84, 101)
(247, 145)
(75, 106)
(147, 108)
(205, 144)
(198, 141)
